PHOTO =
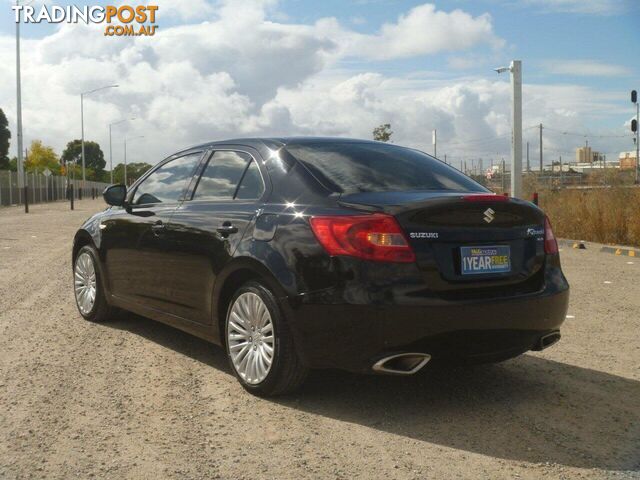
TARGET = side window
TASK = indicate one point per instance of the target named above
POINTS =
(167, 183)
(221, 176)
(251, 187)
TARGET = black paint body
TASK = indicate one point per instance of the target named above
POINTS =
(344, 312)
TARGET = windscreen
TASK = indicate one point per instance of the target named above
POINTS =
(370, 167)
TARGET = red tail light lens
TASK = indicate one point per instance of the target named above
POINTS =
(371, 237)
(550, 242)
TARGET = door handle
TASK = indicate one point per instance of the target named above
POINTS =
(158, 227)
(227, 229)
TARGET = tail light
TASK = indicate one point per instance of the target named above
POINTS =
(371, 237)
(550, 242)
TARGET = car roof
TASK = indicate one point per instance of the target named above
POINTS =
(257, 142)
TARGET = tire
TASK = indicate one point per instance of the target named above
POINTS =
(248, 337)
(85, 262)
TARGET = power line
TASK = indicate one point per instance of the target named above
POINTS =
(588, 135)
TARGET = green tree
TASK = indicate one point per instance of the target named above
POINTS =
(134, 171)
(41, 157)
(382, 133)
(93, 157)
(5, 136)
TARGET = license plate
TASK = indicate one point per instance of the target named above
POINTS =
(479, 260)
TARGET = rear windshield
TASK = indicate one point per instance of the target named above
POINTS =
(370, 167)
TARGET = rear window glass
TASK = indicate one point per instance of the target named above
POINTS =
(369, 167)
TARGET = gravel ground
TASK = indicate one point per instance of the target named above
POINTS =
(136, 399)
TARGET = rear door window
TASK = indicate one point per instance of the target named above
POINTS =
(230, 175)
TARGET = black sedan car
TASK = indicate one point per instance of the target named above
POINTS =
(299, 253)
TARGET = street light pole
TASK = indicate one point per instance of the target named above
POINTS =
(125, 161)
(82, 123)
(516, 120)
(82, 141)
(110, 155)
(110, 144)
(435, 143)
(516, 144)
(125, 155)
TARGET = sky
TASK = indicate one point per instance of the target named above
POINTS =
(221, 69)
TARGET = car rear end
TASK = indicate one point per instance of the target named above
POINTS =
(451, 272)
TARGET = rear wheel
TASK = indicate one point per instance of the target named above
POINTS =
(259, 344)
(87, 286)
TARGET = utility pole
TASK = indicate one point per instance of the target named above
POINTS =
(541, 159)
(636, 128)
(528, 164)
(22, 185)
(637, 140)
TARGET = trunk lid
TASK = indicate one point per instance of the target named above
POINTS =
(443, 227)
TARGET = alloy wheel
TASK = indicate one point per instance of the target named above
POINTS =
(250, 338)
(84, 275)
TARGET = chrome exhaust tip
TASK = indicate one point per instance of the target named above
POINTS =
(547, 340)
(401, 363)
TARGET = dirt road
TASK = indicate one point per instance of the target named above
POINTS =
(135, 399)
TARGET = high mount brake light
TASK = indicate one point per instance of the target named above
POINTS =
(550, 242)
(371, 237)
(486, 197)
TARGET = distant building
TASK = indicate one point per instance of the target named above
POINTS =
(594, 166)
(628, 160)
(587, 155)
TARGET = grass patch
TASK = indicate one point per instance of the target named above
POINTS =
(607, 215)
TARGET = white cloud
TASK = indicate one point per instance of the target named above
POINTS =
(241, 73)
(422, 31)
(586, 68)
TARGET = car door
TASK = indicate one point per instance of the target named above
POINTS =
(206, 228)
(134, 239)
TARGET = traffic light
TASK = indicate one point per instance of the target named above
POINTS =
(634, 96)
(634, 125)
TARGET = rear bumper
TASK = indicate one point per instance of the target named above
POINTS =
(353, 336)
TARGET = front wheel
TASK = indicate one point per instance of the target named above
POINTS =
(259, 344)
(87, 286)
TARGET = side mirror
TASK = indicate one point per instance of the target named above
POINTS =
(115, 195)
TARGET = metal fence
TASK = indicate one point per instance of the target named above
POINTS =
(41, 188)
